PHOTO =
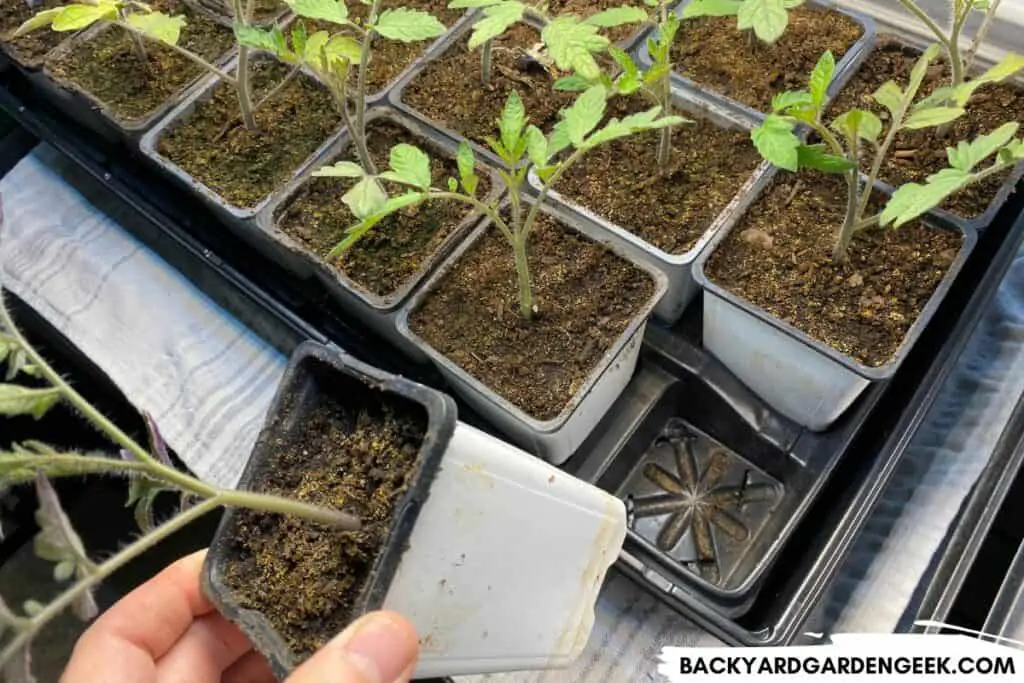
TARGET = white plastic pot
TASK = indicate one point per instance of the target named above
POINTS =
(558, 438)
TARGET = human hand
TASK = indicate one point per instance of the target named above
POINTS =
(166, 631)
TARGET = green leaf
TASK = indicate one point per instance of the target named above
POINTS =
(342, 49)
(409, 165)
(858, 123)
(572, 45)
(299, 38)
(341, 169)
(469, 4)
(536, 146)
(408, 25)
(920, 70)
(513, 118)
(258, 39)
(573, 83)
(466, 163)
(76, 17)
(19, 400)
(777, 143)
(712, 8)
(940, 96)
(63, 571)
(634, 123)
(936, 116)
(1013, 151)
(332, 11)
(1008, 66)
(38, 21)
(33, 607)
(787, 100)
(818, 158)
(365, 197)
(158, 26)
(356, 232)
(913, 199)
(313, 49)
(768, 18)
(890, 96)
(966, 155)
(617, 16)
(624, 61)
(821, 78)
(497, 19)
(453, 184)
(584, 114)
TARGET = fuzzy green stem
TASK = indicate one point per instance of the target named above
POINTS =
(488, 211)
(359, 134)
(880, 154)
(358, 140)
(242, 85)
(485, 62)
(980, 36)
(187, 54)
(522, 263)
(936, 30)
(956, 62)
(665, 100)
(846, 232)
(531, 217)
(138, 47)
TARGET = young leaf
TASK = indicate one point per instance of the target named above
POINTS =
(158, 26)
(768, 18)
(936, 116)
(1008, 66)
(469, 4)
(624, 61)
(536, 146)
(342, 169)
(573, 83)
(365, 197)
(712, 8)
(572, 44)
(584, 114)
(409, 165)
(634, 123)
(356, 232)
(258, 39)
(966, 155)
(63, 571)
(617, 16)
(19, 400)
(784, 101)
(323, 10)
(858, 123)
(408, 25)
(342, 49)
(38, 21)
(497, 19)
(466, 163)
(513, 118)
(920, 70)
(818, 158)
(453, 184)
(913, 199)
(890, 96)
(75, 17)
(821, 78)
(777, 143)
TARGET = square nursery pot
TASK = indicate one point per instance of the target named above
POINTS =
(228, 213)
(806, 380)
(460, 560)
(380, 313)
(558, 438)
(89, 111)
(677, 267)
(845, 68)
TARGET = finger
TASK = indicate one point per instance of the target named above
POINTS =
(126, 639)
(380, 647)
(251, 668)
(208, 648)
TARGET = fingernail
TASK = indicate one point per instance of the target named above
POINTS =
(377, 645)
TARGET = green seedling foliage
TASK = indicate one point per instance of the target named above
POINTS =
(768, 19)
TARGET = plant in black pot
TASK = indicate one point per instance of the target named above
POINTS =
(26, 50)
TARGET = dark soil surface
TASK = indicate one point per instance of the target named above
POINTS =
(713, 53)
(779, 258)
(670, 210)
(586, 296)
(918, 154)
(241, 166)
(263, 11)
(29, 49)
(449, 91)
(107, 68)
(390, 57)
(585, 8)
(395, 250)
(304, 578)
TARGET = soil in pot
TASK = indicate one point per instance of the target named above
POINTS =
(671, 209)
(390, 57)
(713, 53)
(586, 297)
(357, 456)
(213, 146)
(263, 11)
(779, 258)
(105, 66)
(918, 154)
(399, 246)
(29, 49)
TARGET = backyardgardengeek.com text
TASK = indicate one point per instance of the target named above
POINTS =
(846, 665)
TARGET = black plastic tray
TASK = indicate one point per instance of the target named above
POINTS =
(832, 479)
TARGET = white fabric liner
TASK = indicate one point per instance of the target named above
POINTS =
(208, 381)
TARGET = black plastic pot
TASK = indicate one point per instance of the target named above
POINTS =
(316, 371)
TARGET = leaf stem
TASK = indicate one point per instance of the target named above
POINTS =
(981, 35)
(485, 62)
(359, 134)
(188, 54)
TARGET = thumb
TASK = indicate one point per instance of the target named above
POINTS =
(379, 647)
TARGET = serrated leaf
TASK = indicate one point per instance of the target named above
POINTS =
(332, 11)
(583, 115)
(929, 118)
(38, 21)
(912, 200)
(466, 162)
(313, 50)
(341, 169)
(408, 25)
(634, 123)
(768, 18)
(158, 26)
(786, 100)
(821, 78)
(711, 8)
(624, 61)
(818, 158)
(356, 232)
(573, 83)
(966, 155)
(536, 146)
(496, 20)
(513, 118)
(890, 96)
(19, 400)
(858, 123)
(77, 17)
(617, 16)
(258, 39)
(777, 143)
(572, 45)
(299, 38)
(342, 48)
(365, 198)
(409, 165)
